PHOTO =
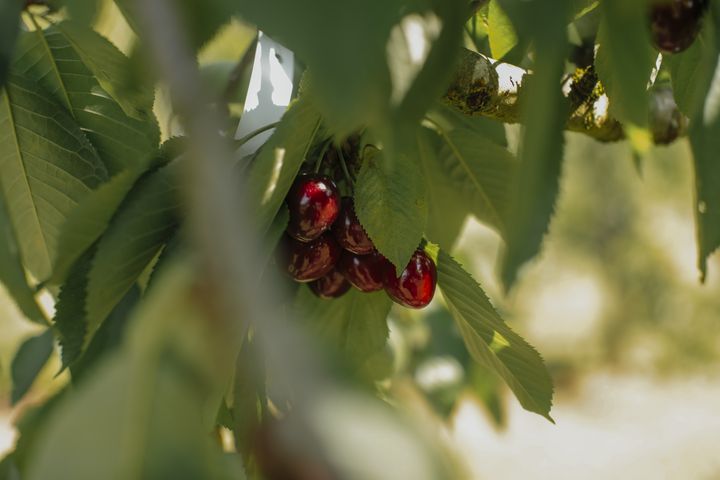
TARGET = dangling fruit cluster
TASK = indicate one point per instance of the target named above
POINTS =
(674, 24)
(328, 248)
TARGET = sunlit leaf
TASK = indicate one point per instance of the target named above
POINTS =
(491, 342)
(47, 166)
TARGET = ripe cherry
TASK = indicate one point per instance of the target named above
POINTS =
(348, 231)
(314, 204)
(306, 262)
(415, 286)
(367, 273)
(332, 285)
(674, 24)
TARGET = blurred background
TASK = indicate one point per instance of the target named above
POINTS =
(614, 304)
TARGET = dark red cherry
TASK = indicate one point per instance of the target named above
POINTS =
(415, 286)
(367, 273)
(306, 262)
(674, 24)
(348, 231)
(314, 204)
(332, 285)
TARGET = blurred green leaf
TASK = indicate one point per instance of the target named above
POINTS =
(491, 342)
(249, 405)
(390, 202)
(9, 29)
(500, 31)
(12, 273)
(142, 225)
(354, 324)
(625, 59)
(201, 20)
(446, 210)
(30, 358)
(278, 162)
(47, 167)
(535, 188)
(148, 397)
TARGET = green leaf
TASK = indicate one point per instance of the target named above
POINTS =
(535, 187)
(390, 202)
(12, 273)
(501, 32)
(47, 166)
(149, 396)
(249, 403)
(276, 165)
(143, 224)
(625, 59)
(108, 65)
(354, 324)
(69, 61)
(482, 172)
(30, 358)
(9, 29)
(446, 209)
(491, 342)
(692, 70)
(201, 20)
(70, 320)
(108, 338)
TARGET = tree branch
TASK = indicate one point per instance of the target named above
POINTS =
(483, 86)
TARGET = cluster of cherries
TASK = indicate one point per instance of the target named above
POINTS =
(328, 248)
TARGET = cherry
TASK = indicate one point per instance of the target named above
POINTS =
(367, 273)
(415, 286)
(348, 231)
(314, 204)
(332, 285)
(306, 262)
(674, 24)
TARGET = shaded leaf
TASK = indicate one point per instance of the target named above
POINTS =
(446, 209)
(354, 324)
(9, 29)
(47, 166)
(30, 358)
(249, 397)
(70, 320)
(71, 61)
(143, 224)
(491, 342)
(535, 188)
(390, 202)
(482, 172)
(625, 59)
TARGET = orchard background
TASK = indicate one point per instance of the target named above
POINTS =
(555, 163)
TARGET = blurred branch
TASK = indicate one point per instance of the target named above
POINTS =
(483, 86)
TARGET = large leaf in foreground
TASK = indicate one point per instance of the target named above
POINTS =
(47, 166)
(59, 60)
(390, 201)
(491, 342)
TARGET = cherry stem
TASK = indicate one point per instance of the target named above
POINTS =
(343, 165)
(255, 133)
(318, 162)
